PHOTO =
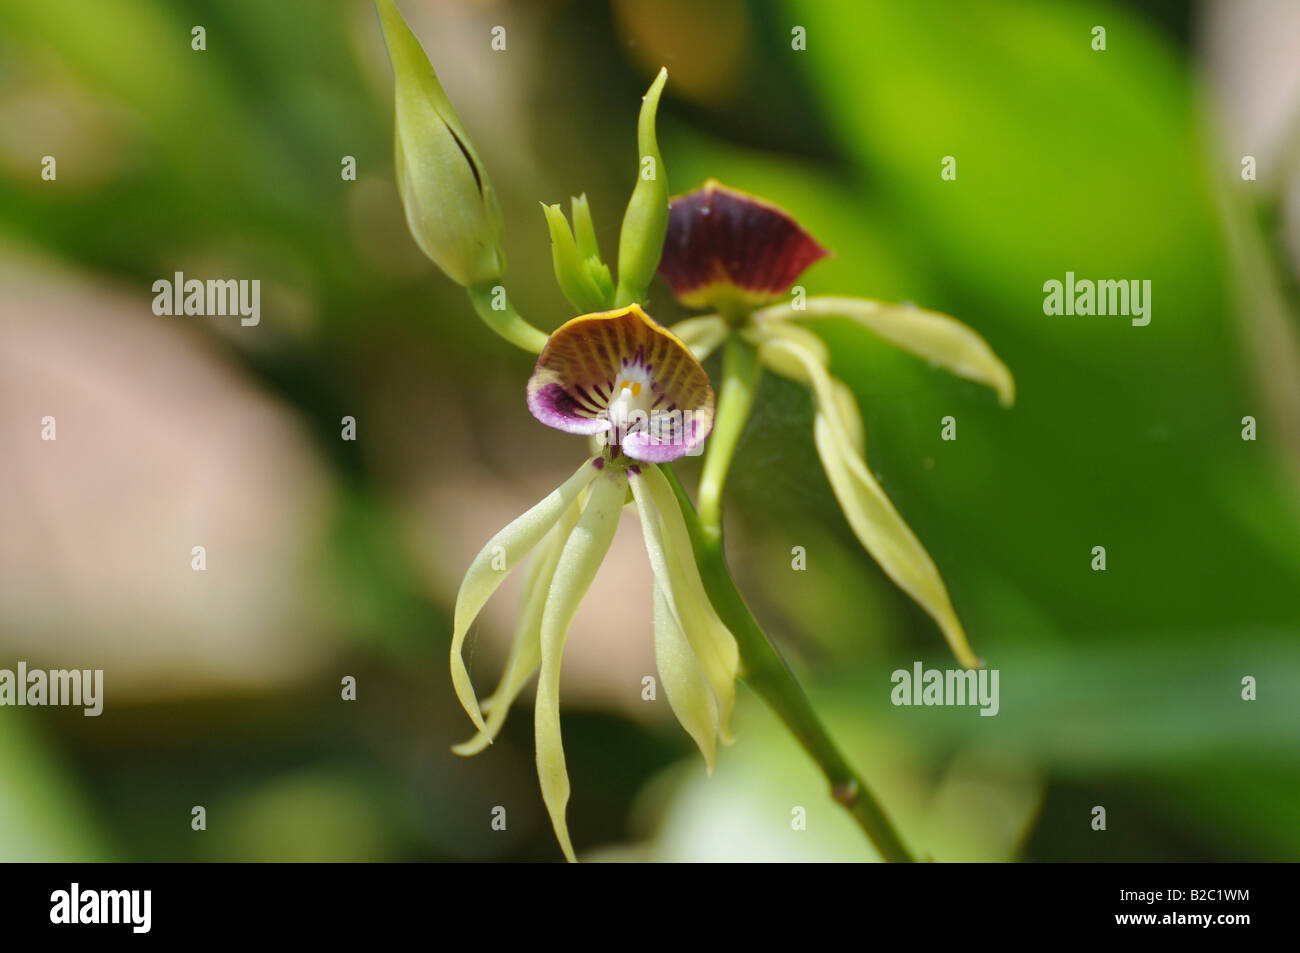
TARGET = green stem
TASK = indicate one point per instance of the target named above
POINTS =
(741, 373)
(505, 320)
(769, 675)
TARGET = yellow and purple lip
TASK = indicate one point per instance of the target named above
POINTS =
(621, 374)
(726, 248)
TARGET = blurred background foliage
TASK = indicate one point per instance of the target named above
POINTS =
(330, 558)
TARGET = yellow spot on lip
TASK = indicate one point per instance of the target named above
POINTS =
(635, 385)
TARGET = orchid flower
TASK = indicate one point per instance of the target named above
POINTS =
(639, 395)
(737, 255)
(619, 377)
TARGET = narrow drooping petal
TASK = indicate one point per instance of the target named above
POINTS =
(532, 600)
(875, 522)
(785, 364)
(782, 361)
(490, 567)
(850, 419)
(620, 374)
(884, 534)
(581, 557)
(711, 641)
(701, 334)
(935, 337)
(687, 690)
(726, 248)
(690, 692)
(526, 648)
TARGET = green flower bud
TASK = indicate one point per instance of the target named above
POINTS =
(645, 223)
(451, 209)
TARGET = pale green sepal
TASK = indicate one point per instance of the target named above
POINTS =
(875, 522)
(581, 557)
(537, 583)
(701, 334)
(935, 337)
(645, 222)
(684, 684)
(712, 642)
(884, 534)
(784, 363)
(850, 418)
(526, 647)
(505, 550)
(690, 694)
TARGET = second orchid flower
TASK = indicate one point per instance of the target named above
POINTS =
(620, 377)
(738, 254)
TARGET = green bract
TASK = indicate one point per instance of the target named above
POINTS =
(451, 209)
(580, 273)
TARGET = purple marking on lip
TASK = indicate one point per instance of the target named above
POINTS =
(556, 407)
(667, 445)
(573, 384)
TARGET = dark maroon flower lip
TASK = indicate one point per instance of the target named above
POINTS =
(726, 248)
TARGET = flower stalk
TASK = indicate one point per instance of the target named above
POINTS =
(741, 372)
(492, 305)
(766, 671)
